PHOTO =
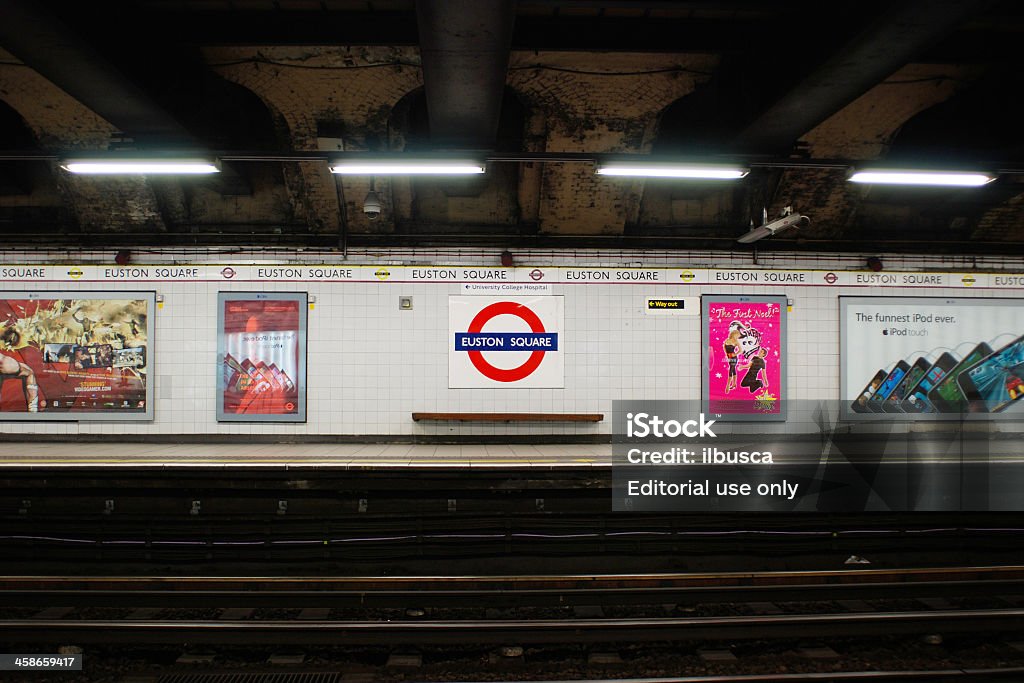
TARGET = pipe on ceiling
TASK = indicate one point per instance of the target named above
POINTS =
(464, 48)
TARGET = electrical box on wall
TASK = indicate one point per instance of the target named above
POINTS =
(330, 144)
(405, 303)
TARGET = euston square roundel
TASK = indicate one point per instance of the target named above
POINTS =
(477, 326)
(485, 332)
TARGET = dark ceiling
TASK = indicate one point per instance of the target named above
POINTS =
(913, 82)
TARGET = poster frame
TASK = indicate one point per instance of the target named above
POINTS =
(149, 296)
(706, 300)
(847, 413)
(302, 298)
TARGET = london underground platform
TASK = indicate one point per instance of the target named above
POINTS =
(321, 455)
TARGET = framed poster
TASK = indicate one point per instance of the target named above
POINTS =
(509, 342)
(744, 357)
(261, 353)
(931, 357)
(76, 355)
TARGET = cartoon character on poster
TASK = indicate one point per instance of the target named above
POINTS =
(744, 357)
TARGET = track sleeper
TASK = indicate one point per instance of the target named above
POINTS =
(405, 659)
(496, 613)
(195, 658)
(588, 611)
(817, 652)
(935, 603)
(286, 659)
(236, 613)
(604, 658)
(314, 614)
(764, 607)
(712, 655)
(144, 613)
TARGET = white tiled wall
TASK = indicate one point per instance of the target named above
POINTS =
(370, 365)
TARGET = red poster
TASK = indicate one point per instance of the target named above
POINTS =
(81, 357)
(261, 347)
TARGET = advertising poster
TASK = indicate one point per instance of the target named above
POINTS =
(76, 355)
(509, 342)
(262, 354)
(931, 358)
(744, 356)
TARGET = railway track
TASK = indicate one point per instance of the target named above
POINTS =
(509, 591)
(873, 676)
(532, 631)
(522, 609)
(1013, 673)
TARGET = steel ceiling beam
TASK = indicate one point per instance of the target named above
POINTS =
(893, 40)
(464, 48)
(49, 46)
(46, 44)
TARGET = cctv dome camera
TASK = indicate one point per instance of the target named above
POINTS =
(371, 205)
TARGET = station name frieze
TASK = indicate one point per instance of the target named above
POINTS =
(934, 279)
(771, 277)
(460, 274)
(1008, 280)
(154, 272)
(301, 273)
(609, 275)
(23, 273)
(681, 278)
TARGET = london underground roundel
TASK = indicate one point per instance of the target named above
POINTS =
(505, 342)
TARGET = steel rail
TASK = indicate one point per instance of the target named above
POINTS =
(829, 577)
(880, 675)
(502, 597)
(504, 631)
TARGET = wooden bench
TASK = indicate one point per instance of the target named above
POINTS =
(510, 417)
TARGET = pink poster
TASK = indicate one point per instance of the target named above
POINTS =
(745, 351)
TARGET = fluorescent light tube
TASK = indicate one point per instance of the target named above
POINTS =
(941, 178)
(670, 170)
(140, 166)
(407, 167)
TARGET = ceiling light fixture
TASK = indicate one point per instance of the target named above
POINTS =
(881, 176)
(656, 169)
(140, 166)
(407, 167)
